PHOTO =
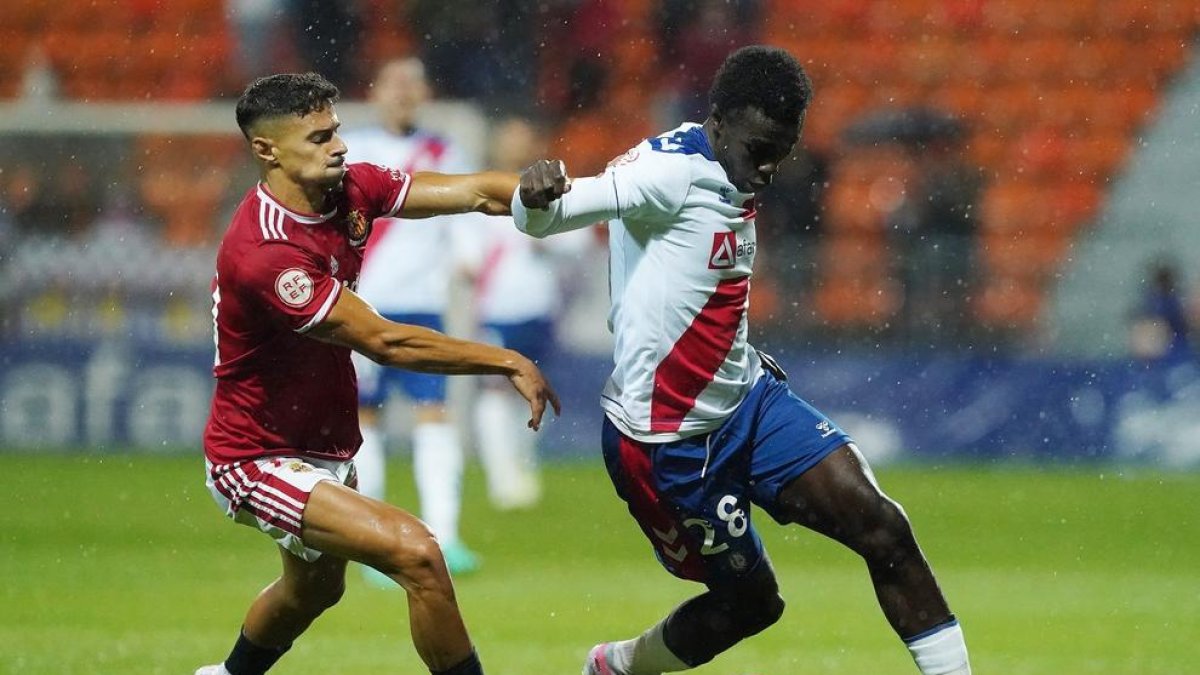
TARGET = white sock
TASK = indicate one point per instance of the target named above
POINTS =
(438, 466)
(647, 654)
(943, 652)
(371, 463)
(507, 449)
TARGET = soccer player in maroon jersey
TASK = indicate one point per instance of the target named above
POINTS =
(283, 428)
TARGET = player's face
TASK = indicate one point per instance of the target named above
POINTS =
(751, 146)
(309, 150)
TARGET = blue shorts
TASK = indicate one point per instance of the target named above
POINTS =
(376, 382)
(692, 497)
(534, 339)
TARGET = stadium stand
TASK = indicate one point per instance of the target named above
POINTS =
(1052, 96)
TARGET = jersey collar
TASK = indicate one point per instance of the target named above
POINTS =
(305, 218)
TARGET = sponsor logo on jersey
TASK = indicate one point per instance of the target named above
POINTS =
(726, 250)
(825, 428)
(294, 287)
(333, 265)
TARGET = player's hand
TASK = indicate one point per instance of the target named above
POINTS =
(543, 182)
(531, 384)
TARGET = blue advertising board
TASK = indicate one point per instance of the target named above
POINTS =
(117, 394)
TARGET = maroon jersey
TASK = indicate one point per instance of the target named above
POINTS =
(279, 273)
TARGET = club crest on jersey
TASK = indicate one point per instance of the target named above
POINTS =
(726, 250)
(357, 227)
(628, 157)
(294, 287)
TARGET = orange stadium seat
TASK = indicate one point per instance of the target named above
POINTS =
(927, 61)
(1034, 255)
(900, 18)
(183, 180)
(1008, 303)
(1015, 208)
(1011, 107)
(15, 54)
(23, 16)
(856, 288)
(987, 148)
(965, 100)
(1012, 17)
(1073, 18)
(1096, 157)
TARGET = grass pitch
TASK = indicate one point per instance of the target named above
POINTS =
(123, 564)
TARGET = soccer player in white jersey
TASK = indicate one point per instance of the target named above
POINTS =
(406, 277)
(517, 299)
(699, 425)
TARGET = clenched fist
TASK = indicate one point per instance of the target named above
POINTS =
(543, 182)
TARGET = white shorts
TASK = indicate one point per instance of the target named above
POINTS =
(270, 494)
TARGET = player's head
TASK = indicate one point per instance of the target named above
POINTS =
(758, 99)
(292, 127)
(517, 142)
(399, 91)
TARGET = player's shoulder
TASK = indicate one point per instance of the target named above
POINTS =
(261, 226)
(660, 165)
(687, 140)
(673, 149)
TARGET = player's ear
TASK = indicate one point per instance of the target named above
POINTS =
(263, 149)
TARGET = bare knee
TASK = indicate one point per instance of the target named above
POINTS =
(756, 607)
(414, 559)
(884, 534)
(763, 614)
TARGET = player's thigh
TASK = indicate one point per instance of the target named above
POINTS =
(839, 497)
(790, 440)
(271, 494)
(344, 523)
(689, 498)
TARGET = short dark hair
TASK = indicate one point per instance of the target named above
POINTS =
(767, 78)
(284, 94)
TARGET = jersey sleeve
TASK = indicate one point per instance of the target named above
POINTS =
(289, 283)
(649, 183)
(636, 185)
(380, 190)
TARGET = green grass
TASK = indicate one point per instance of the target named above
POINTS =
(122, 564)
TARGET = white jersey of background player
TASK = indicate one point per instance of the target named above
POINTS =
(518, 296)
(406, 276)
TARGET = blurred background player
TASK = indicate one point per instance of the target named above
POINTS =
(518, 295)
(406, 277)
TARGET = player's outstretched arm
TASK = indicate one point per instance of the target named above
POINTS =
(435, 194)
(355, 324)
(541, 205)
